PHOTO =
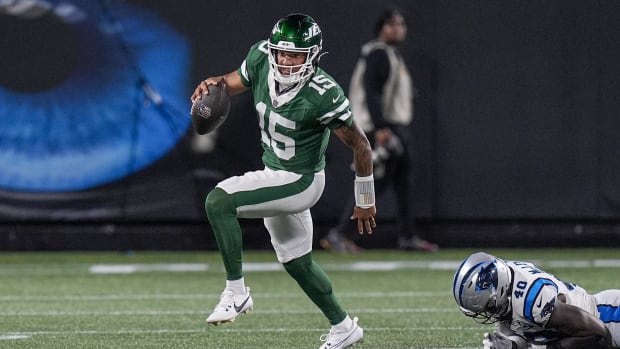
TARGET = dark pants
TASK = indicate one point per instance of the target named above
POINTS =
(397, 176)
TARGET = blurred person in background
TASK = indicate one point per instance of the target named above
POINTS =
(381, 94)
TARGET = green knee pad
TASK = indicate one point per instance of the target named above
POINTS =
(219, 203)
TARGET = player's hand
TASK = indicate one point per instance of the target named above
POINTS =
(383, 135)
(203, 87)
(497, 341)
(365, 219)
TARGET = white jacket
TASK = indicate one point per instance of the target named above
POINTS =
(398, 91)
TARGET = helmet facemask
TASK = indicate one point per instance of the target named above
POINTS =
(288, 75)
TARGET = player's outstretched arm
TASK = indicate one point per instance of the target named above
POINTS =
(590, 342)
(354, 137)
(584, 329)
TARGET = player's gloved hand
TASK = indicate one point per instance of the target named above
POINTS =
(498, 340)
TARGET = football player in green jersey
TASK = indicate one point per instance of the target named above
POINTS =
(298, 106)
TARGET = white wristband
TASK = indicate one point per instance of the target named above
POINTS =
(364, 189)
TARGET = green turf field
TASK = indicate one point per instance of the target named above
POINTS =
(161, 300)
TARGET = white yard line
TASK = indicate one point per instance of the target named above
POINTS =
(354, 266)
(205, 312)
(122, 268)
(229, 330)
(14, 336)
(181, 296)
(137, 268)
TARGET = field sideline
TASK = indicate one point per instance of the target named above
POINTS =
(160, 299)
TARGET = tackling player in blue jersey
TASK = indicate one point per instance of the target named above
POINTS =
(534, 309)
(298, 105)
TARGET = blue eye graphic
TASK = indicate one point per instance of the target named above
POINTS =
(90, 92)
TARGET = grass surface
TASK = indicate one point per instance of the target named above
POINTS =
(54, 300)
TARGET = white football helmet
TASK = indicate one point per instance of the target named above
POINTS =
(482, 286)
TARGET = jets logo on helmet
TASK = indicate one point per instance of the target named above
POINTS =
(312, 31)
(295, 33)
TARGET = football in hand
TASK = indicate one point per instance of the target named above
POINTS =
(210, 110)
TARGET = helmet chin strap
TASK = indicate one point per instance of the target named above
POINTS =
(318, 59)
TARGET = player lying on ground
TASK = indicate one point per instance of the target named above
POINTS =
(532, 308)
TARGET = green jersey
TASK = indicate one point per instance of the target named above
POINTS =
(295, 125)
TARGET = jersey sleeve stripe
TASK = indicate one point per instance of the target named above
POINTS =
(337, 113)
(343, 117)
(532, 294)
(609, 313)
(244, 71)
(472, 270)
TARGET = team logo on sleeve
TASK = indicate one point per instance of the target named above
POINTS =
(547, 309)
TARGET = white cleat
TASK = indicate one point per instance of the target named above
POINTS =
(230, 306)
(344, 339)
